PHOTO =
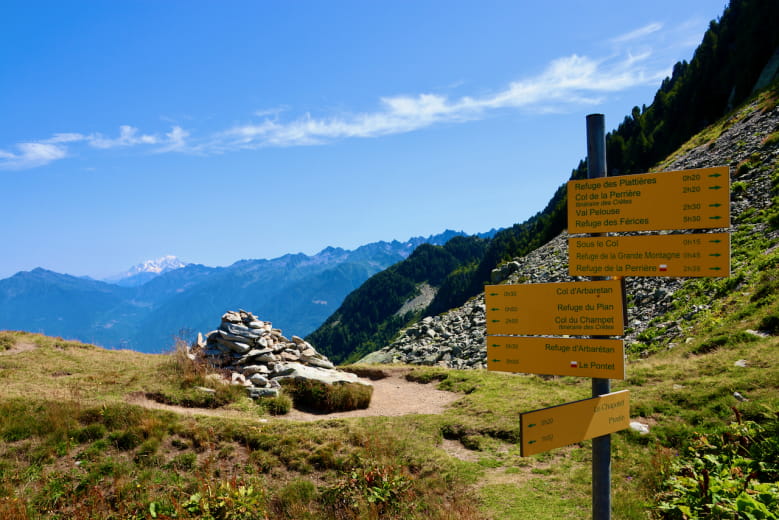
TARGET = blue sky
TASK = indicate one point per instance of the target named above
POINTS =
(218, 131)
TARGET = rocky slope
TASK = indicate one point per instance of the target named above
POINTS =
(747, 141)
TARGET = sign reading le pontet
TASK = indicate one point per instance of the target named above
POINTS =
(580, 357)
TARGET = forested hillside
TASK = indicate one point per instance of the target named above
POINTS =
(723, 72)
(370, 316)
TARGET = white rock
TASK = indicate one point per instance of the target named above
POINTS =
(641, 428)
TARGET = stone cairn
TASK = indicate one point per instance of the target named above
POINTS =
(259, 357)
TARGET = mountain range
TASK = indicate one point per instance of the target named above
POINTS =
(151, 304)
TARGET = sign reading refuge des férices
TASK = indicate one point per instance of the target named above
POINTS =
(687, 199)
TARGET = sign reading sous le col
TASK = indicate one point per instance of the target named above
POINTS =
(687, 199)
(693, 255)
(577, 308)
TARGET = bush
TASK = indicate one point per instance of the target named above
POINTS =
(371, 492)
(280, 405)
(770, 324)
(90, 433)
(729, 476)
(324, 398)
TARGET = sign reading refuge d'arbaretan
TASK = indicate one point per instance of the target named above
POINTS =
(579, 357)
(694, 254)
(577, 308)
(549, 428)
(687, 199)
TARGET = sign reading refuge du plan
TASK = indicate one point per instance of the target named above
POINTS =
(570, 309)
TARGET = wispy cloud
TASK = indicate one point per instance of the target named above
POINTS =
(31, 155)
(566, 83)
(641, 32)
(128, 136)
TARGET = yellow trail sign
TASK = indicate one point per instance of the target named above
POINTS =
(599, 358)
(577, 308)
(549, 428)
(695, 255)
(686, 199)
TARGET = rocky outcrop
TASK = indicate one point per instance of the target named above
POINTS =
(256, 355)
(456, 339)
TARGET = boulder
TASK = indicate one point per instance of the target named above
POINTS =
(323, 375)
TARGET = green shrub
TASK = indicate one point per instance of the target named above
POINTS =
(375, 490)
(733, 475)
(125, 440)
(324, 398)
(228, 501)
(90, 433)
(770, 324)
(146, 453)
(184, 461)
(723, 340)
(294, 499)
(280, 405)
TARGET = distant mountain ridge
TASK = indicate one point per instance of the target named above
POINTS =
(296, 292)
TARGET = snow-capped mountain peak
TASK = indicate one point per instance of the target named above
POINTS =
(145, 271)
(158, 266)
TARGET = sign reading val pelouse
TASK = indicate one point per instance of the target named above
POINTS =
(694, 254)
(549, 428)
(579, 357)
(687, 199)
(570, 309)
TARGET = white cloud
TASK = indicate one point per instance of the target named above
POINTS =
(128, 136)
(175, 140)
(65, 138)
(31, 155)
(566, 82)
(637, 34)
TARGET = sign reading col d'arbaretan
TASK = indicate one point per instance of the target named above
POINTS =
(572, 309)
(687, 199)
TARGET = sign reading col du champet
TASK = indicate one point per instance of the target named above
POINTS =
(687, 199)
(572, 309)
